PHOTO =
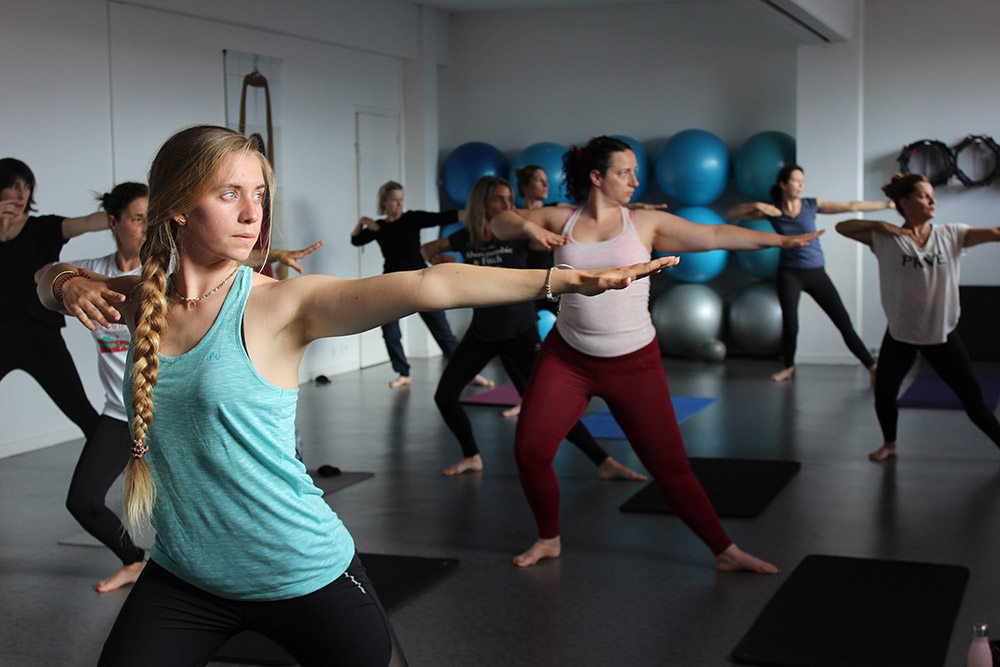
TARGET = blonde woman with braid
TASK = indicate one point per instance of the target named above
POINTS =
(243, 537)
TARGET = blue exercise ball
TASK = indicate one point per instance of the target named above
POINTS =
(448, 230)
(755, 319)
(692, 167)
(643, 170)
(466, 165)
(546, 320)
(699, 267)
(761, 263)
(686, 317)
(548, 156)
(759, 160)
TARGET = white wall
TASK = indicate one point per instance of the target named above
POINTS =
(100, 85)
(931, 73)
(521, 77)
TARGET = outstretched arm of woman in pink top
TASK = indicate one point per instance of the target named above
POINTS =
(669, 233)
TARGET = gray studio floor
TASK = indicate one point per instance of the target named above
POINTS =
(630, 589)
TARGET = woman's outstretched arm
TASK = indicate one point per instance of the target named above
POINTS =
(827, 206)
(977, 235)
(93, 297)
(540, 225)
(670, 233)
(861, 230)
(753, 211)
(327, 306)
(94, 222)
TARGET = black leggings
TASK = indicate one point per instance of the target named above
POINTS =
(166, 622)
(950, 361)
(517, 355)
(814, 282)
(41, 353)
(103, 458)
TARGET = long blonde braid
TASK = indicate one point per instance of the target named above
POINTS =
(182, 171)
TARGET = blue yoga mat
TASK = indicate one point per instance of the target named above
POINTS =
(603, 425)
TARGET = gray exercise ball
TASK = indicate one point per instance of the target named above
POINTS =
(713, 350)
(755, 319)
(685, 316)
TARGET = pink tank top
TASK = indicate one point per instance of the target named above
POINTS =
(616, 322)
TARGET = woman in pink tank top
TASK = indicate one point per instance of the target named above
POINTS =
(608, 347)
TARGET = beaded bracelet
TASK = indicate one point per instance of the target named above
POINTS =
(62, 278)
(549, 296)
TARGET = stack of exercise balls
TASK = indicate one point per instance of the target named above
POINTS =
(754, 313)
(693, 169)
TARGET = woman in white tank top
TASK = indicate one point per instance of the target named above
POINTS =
(607, 346)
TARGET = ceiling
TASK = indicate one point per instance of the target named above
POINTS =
(498, 5)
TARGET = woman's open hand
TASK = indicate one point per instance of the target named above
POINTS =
(590, 283)
(91, 301)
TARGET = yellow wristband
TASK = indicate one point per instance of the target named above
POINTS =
(52, 288)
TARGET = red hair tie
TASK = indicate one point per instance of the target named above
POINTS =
(139, 448)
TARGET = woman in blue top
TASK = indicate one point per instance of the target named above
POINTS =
(244, 539)
(801, 269)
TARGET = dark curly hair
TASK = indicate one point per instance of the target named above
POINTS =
(579, 162)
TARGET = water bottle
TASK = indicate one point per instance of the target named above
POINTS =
(979, 652)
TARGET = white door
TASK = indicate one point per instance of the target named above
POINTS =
(379, 159)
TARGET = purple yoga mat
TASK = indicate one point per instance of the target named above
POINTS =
(930, 391)
(503, 395)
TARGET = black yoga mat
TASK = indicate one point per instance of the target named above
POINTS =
(396, 580)
(738, 488)
(930, 391)
(339, 481)
(835, 611)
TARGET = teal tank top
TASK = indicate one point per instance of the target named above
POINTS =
(235, 514)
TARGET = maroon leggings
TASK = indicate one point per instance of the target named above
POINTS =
(634, 386)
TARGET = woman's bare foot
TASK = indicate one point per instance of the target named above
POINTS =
(611, 469)
(401, 381)
(733, 559)
(480, 381)
(512, 412)
(543, 548)
(786, 374)
(884, 453)
(123, 577)
(469, 464)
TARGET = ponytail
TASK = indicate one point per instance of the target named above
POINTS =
(579, 162)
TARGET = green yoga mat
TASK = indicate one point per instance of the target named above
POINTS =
(835, 611)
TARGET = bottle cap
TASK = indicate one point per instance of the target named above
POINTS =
(980, 630)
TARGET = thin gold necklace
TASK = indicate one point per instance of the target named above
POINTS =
(191, 302)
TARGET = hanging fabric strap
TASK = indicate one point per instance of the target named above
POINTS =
(257, 80)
